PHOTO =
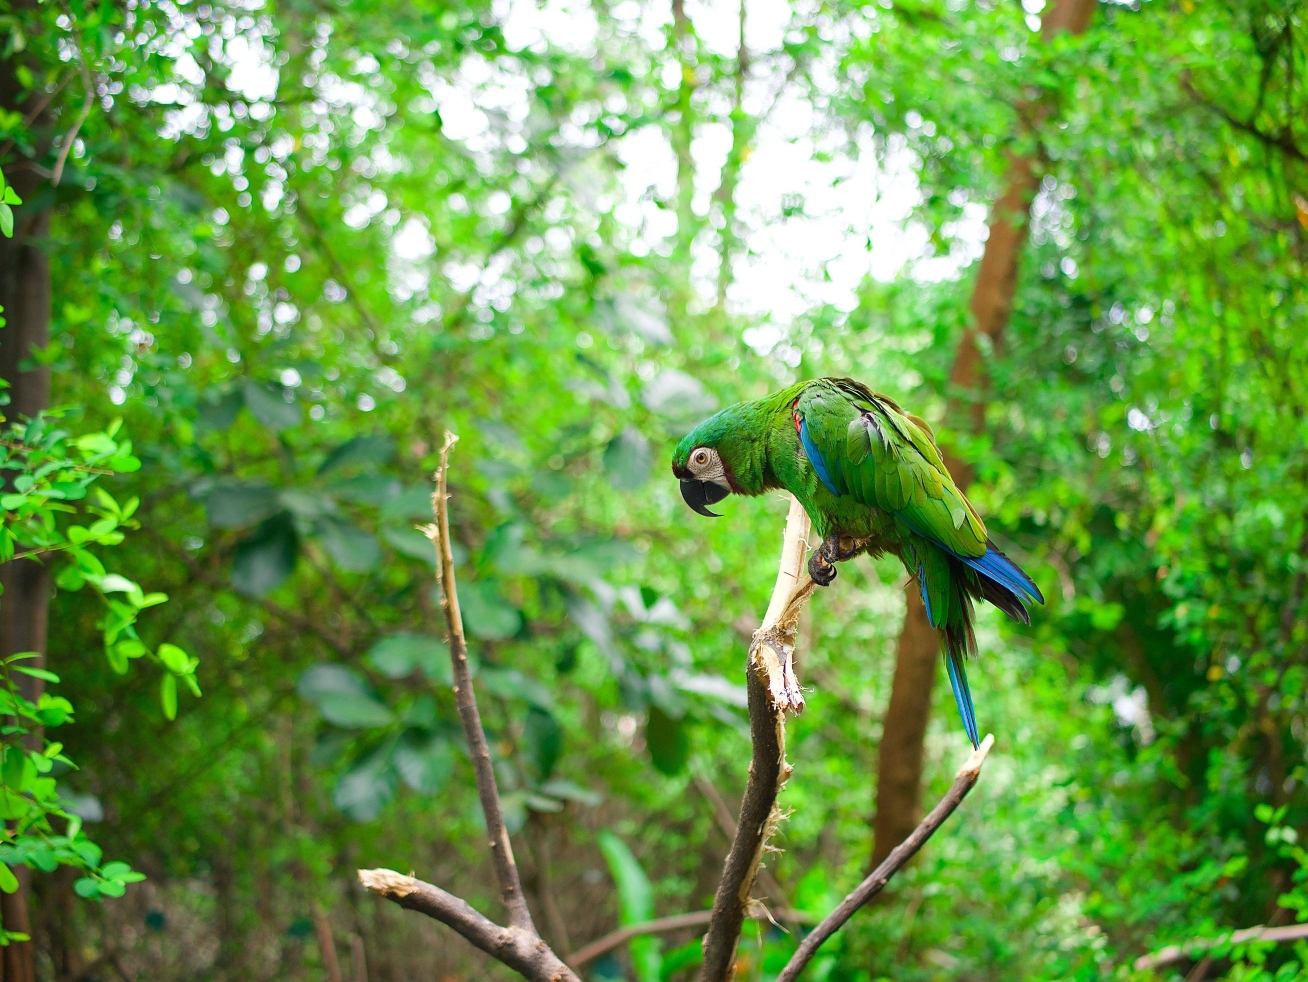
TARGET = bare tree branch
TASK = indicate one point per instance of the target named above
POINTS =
(773, 689)
(506, 870)
(1174, 953)
(327, 943)
(964, 781)
(518, 946)
(722, 812)
(520, 949)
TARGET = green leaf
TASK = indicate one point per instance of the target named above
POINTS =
(266, 560)
(354, 711)
(635, 903)
(168, 696)
(269, 407)
(350, 547)
(668, 741)
(70, 578)
(424, 765)
(365, 789)
(37, 673)
(486, 614)
(627, 460)
(218, 410)
(571, 791)
(323, 680)
(87, 888)
(115, 870)
(411, 542)
(175, 659)
(412, 503)
(234, 505)
(399, 655)
(544, 738)
(8, 882)
(360, 451)
(512, 684)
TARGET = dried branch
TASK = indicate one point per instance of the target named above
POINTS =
(506, 870)
(327, 943)
(722, 812)
(773, 689)
(358, 960)
(518, 946)
(520, 949)
(964, 781)
(1174, 953)
(85, 111)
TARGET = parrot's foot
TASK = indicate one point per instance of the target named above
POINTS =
(834, 549)
(822, 569)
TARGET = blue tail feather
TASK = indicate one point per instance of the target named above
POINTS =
(962, 695)
(994, 565)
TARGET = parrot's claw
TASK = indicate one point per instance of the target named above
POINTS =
(821, 569)
(834, 549)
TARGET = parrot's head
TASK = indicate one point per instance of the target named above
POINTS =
(703, 461)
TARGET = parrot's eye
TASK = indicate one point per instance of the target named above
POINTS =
(700, 457)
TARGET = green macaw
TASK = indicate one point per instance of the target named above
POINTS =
(872, 480)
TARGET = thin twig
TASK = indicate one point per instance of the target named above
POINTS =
(358, 960)
(772, 689)
(964, 781)
(58, 171)
(1174, 953)
(327, 943)
(506, 870)
(518, 946)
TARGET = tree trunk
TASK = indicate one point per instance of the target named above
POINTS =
(25, 296)
(899, 769)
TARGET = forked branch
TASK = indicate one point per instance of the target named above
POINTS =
(518, 946)
(964, 781)
(773, 689)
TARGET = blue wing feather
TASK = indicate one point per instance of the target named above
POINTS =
(815, 458)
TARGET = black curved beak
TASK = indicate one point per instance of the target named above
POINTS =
(700, 494)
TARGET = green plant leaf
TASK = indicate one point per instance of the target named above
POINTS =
(168, 696)
(627, 459)
(635, 903)
(350, 547)
(486, 614)
(424, 765)
(354, 711)
(544, 738)
(266, 559)
(668, 741)
(234, 505)
(369, 451)
(269, 407)
(401, 654)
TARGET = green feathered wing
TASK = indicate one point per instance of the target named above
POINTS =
(862, 445)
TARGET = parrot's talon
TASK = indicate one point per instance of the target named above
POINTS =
(821, 569)
(822, 564)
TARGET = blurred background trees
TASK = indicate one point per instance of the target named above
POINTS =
(288, 246)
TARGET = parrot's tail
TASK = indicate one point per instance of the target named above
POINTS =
(959, 643)
(1003, 583)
